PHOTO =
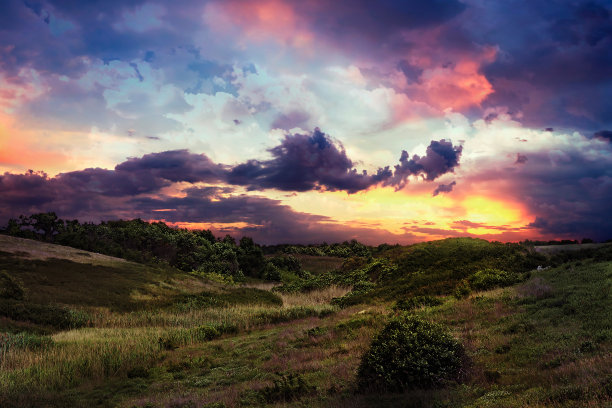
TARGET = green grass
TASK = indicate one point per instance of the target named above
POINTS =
(178, 341)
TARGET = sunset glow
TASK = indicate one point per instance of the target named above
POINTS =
(312, 121)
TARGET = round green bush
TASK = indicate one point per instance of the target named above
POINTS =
(410, 352)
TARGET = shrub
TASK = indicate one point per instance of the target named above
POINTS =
(10, 288)
(491, 278)
(410, 352)
(462, 290)
(417, 301)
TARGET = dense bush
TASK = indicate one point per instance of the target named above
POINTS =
(410, 352)
(491, 278)
(10, 288)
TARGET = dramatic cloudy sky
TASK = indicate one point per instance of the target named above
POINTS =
(311, 120)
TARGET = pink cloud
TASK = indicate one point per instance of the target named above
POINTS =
(271, 20)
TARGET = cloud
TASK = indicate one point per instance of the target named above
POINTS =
(444, 188)
(441, 157)
(267, 220)
(305, 162)
(605, 135)
(315, 162)
(520, 159)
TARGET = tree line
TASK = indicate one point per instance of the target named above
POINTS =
(185, 249)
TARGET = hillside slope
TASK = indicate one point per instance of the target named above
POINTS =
(54, 274)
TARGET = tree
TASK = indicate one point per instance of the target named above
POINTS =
(251, 258)
(48, 223)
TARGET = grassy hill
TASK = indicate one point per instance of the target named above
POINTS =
(158, 337)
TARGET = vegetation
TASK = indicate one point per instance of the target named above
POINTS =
(492, 328)
(410, 352)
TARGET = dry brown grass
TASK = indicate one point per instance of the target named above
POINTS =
(31, 249)
(315, 297)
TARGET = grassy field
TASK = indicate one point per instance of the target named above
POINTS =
(156, 337)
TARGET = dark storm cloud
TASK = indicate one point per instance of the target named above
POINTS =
(444, 188)
(441, 157)
(568, 192)
(305, 162)
(300, 163)
(174, 166)
(315, 162)
(563, 77)
(267, 221)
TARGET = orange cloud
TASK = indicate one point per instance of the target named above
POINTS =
(456, 87)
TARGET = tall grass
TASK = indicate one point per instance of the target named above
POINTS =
(315, 297)
(118, 342)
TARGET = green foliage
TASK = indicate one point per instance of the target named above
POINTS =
(176, 338)
(416, 302)
(23, 340)
(291, 313)
(359, 279)
(271, 272)
(46, 315)
(345, 249)
(287, 262)
(251, 258)
(410, 352)
(462, 290)
(490, 278)
(10, 288)
(286, 387)
(438, 267)
(144, 242)
(212, 331)
(355, 295)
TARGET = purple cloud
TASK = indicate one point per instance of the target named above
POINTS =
(444, 188)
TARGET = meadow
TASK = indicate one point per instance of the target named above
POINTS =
(97, 331)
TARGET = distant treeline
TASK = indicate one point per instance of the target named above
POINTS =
(188, 250)
(346, 249)
(528, 242)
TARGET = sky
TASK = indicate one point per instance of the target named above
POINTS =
(312, 120)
